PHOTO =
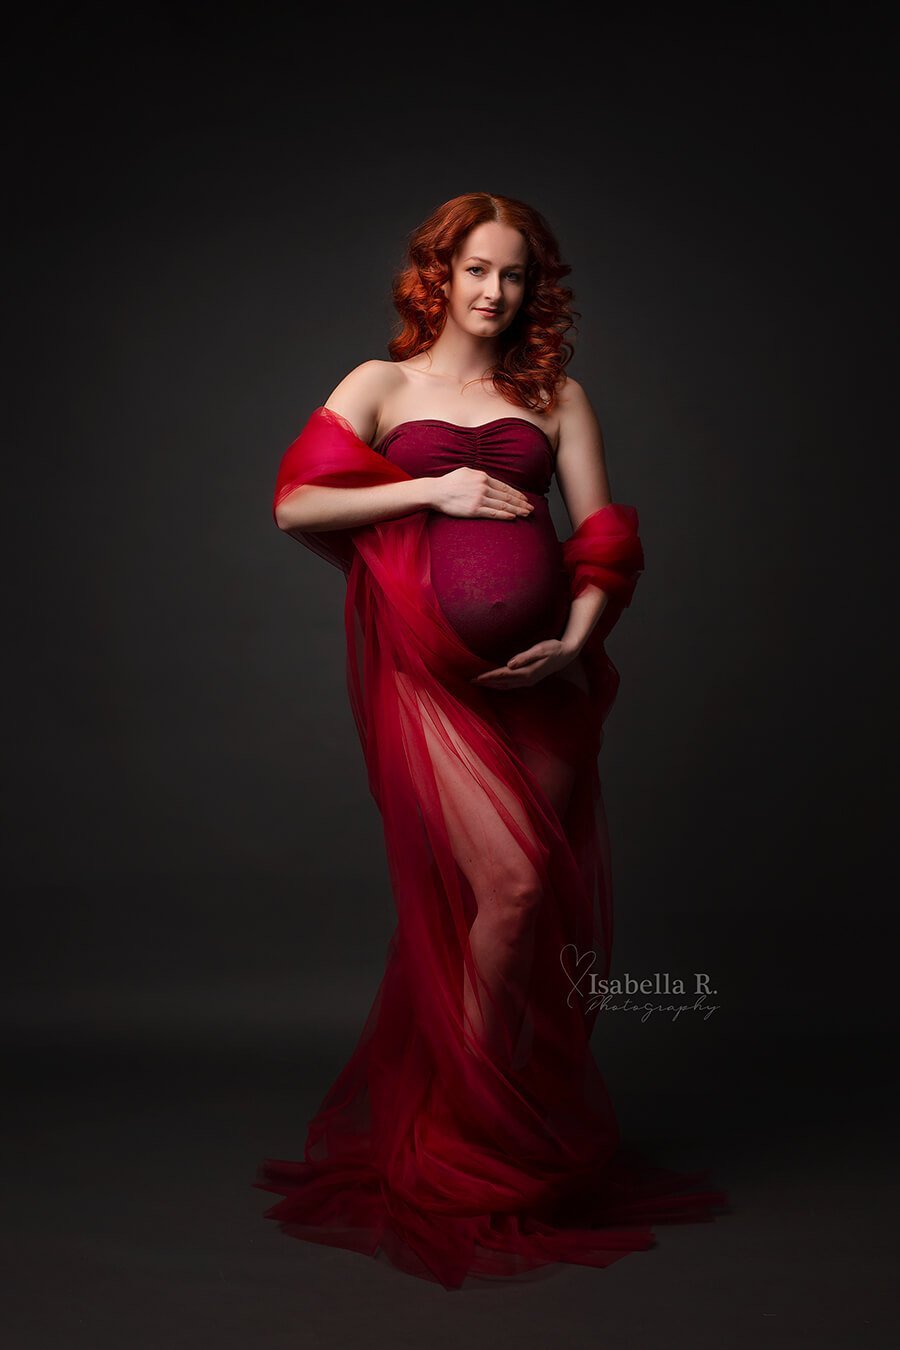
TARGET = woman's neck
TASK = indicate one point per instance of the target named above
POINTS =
(457, 357)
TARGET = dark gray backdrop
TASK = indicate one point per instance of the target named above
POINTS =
(205, 217)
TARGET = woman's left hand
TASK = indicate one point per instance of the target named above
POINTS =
(526, 668)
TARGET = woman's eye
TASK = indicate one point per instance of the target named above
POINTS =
(511, 276)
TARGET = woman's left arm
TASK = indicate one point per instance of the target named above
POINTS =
(584, 486)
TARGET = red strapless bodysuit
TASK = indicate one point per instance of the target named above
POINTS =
(501, 583)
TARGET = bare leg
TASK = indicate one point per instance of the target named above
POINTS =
(489, 831)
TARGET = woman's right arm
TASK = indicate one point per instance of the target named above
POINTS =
(317, 508)
(462, 492)
(357, 398)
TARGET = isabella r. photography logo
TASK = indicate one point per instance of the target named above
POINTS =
(659, 992)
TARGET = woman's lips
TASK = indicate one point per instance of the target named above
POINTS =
(491, 312)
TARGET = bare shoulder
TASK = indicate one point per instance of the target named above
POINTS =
(573, 401)
(576, 419)
(361, 393)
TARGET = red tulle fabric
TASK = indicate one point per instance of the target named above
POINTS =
(470, 1134)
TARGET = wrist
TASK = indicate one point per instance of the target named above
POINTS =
(424, 493)
(571, 646)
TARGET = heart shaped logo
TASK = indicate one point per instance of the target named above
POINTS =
(576, 968)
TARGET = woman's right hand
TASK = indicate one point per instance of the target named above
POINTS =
(474, 493)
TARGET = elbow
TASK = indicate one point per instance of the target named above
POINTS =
(286, 514)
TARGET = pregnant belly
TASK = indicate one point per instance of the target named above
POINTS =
(501, 583)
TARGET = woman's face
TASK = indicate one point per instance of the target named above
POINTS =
(487, 279)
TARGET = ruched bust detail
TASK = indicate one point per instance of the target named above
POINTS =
(511, 448)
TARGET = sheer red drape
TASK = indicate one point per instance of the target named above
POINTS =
(470, 1132)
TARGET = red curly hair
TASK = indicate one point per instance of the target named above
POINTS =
(533, 351)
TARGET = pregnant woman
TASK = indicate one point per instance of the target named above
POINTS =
(470, 1133)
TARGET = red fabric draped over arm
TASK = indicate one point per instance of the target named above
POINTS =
(605, 550)
(329, 453)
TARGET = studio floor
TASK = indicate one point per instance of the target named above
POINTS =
(130, 1218)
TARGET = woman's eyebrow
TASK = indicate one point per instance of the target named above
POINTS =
(473, 258)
